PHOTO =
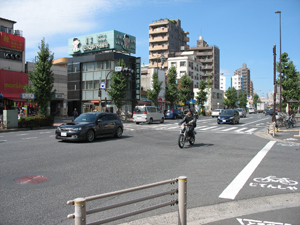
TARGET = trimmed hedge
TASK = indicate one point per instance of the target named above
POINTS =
(35, 121)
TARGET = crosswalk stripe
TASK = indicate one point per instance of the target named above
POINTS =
(231, 128)
(239, 130)
(251, 130)
(208, 128)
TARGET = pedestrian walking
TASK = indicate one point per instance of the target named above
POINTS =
(291, 114)
(75, 113)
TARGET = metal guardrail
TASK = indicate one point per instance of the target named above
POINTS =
(80, 203)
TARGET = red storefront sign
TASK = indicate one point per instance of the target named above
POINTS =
(12, 41)
(12, 84)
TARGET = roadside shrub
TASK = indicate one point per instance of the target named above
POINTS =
(35, 121)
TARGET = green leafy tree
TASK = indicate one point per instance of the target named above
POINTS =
(156, 85)
(171, 93)
(289, 80)
(42, 78)
(255, 100)
(231, 98)
(202, 95)
(242, 99)
(118, 86)
(185, 92)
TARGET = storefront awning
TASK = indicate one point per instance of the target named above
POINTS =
(16, 99)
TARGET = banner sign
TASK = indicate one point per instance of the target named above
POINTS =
(138, 78)
(12, 41)
(102, 41)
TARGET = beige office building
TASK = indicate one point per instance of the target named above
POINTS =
(166, 37)
(245, 73)
(209, 56)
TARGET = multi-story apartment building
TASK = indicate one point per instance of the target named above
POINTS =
(187, 63)
(223, 83)
(245, 73)
(166, 37)
(237, 82)
(209, 56)
(251, 88)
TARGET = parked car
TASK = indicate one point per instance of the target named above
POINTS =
(147, 114)
(242, 112)
(252, 110)
(216, 113)
(89, 126)
(266, 111)
(173, 114)
(193, 111)
(229, 116)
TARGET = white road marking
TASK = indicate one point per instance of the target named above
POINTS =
(48, 132)
(231, 128)
(239, 130)
(29, 138)
(3, 140)
(208, 128)
(239, 181)
(52, 136)
(21, 134)
(251, 130)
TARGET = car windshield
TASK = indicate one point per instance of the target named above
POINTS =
(86, 118)
(226, 112)
(139, 109)
(241, 110)
(217, 110)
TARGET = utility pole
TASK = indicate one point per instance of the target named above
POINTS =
(275, 84)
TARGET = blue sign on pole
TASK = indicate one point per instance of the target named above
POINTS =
(102, 85)
(27, 96)
(1, 95)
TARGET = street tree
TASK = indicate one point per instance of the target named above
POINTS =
(242, 98)
(156, 88)
(42, 78)
(231, 98)
(119, 84)
(255, 100)
(202, 95)
(289, 80)
(185, 92)
(171, 93)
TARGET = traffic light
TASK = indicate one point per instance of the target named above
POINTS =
(127, 72)
(99, 93)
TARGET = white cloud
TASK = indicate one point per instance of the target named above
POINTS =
(51, 19)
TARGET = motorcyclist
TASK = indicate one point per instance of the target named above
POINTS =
(191, 120)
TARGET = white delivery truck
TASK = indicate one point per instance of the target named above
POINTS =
(260, 107)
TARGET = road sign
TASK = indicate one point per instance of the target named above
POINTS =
(1, 96)
(102, 85)
(27, 96)
(118, 68)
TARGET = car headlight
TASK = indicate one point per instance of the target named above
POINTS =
(231, 118)
(76, 129)
(219, 117)
(58, 129)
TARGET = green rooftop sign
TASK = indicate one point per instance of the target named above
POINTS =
(102, 41)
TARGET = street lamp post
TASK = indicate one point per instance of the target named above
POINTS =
(279, 56)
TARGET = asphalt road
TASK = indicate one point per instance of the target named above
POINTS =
(233, 175)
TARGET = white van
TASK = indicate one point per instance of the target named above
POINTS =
(252, 110)
(147, 114)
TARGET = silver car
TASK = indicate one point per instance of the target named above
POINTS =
(242, 112)
(216, 113)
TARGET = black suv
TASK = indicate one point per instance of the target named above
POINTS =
(89, 126)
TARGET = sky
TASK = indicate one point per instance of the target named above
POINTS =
(244, 30)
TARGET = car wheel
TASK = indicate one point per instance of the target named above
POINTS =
(137, 123)
(233, 121)
(150, 121)
(162, 120)
(90, 136)
(119, 132)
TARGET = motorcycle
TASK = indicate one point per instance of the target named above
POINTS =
(184, 135)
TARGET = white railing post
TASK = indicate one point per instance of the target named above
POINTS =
(182, 197)
(80, 211)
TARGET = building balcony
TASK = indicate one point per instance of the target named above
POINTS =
(158, 39)
(206, 60)
(186, 39)
(159, 47)
(207, 68)
(158, 30)
(159, 22)
(204, 53)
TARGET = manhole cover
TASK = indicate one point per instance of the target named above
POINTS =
(31, 179)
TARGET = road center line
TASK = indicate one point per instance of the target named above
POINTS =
(239, 181)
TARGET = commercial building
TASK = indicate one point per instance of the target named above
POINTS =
(12, 67)
(245, 73)
(166, 37)
(93, 61)
(209, 56)
(187, 63)
(58, 103)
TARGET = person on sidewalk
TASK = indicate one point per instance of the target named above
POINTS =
(75, 113)
(291, 114)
